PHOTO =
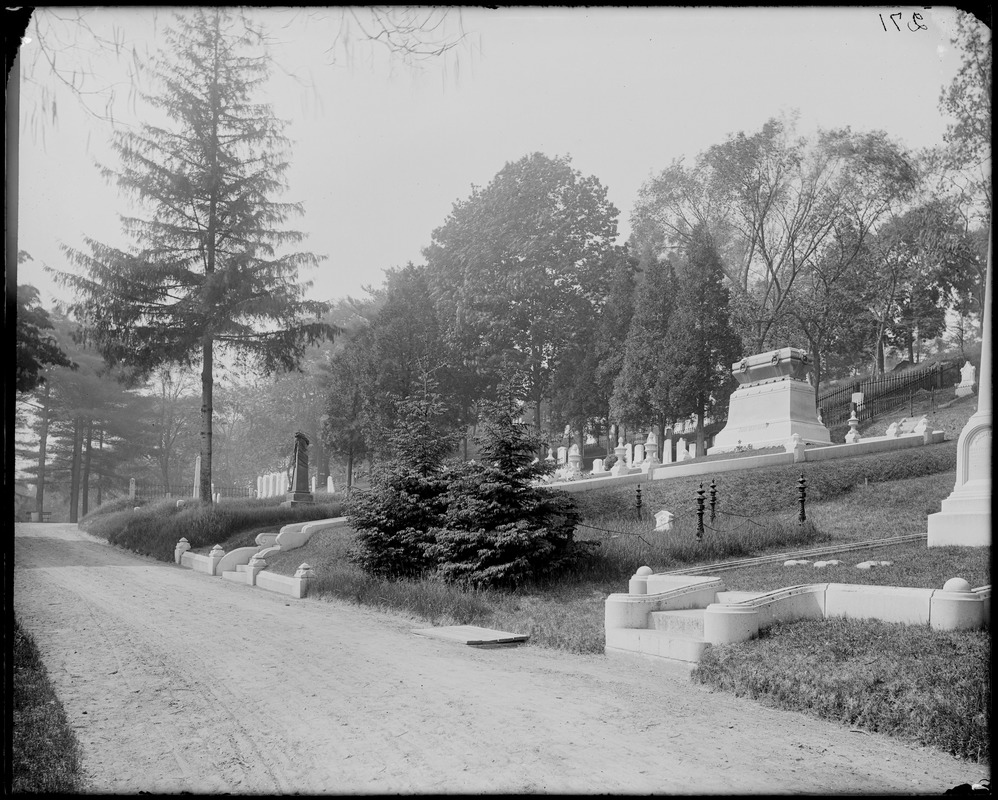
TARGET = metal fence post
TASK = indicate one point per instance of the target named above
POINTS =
(700, 503)
(802, 491)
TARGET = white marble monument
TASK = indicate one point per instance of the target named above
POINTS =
(965, 518)
(773, 401)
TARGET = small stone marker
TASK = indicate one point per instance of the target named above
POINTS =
(473, 635)
(663, 520)
(833, 563)
(871, 564)
(796, 563)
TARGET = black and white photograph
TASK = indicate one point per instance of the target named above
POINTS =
(499, 400)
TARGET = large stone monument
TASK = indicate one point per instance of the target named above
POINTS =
(965, 518)
(299, 490)
(773, 401)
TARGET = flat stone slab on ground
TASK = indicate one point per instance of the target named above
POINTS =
(472, 634)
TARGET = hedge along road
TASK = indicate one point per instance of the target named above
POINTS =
(178, 681)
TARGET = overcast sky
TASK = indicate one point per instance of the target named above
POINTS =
(381, 154)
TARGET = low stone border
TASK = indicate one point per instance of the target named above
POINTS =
(248, 565)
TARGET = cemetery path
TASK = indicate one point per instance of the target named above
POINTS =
(177, 681)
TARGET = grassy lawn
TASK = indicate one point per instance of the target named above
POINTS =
(45, 752)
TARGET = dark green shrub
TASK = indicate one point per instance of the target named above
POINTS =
(395, 517)
(499, 529)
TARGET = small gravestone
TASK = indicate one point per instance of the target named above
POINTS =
(663, 520)
(967, 377)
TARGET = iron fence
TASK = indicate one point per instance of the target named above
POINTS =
(156, 491)
(886, 393)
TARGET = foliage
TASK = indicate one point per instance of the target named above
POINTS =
(700, 345)
(517, 268)
(637, 399)
(500, 530)
(967, 101)
(45, 753)
(774, 202)
(208, 269)
(396, 516)
(36, 349)
(929, 687)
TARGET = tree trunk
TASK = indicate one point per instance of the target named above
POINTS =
(207, 388)
(700, 431)
(43, 441)
(816, 358)
(100, 463)
(349, 467)
(85, 483)
(74, 472)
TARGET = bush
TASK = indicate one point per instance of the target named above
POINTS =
(395, 517)
(394, 520)
(480, 524)
(499, 529)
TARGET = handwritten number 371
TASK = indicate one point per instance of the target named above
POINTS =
(916, 20)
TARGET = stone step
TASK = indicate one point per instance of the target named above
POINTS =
(655, 643)
(687, 623)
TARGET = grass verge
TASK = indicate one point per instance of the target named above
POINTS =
(46, 754)
(927, 687)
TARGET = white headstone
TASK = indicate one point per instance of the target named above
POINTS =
(663, 520)
(329, 484)
(562, 455)
(639, 453)
(312, 481)
(598, 466)
(967, 377)
(629, 453)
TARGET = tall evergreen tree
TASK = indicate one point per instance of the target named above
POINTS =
(208, 270)
(637, 398)
(701, 344)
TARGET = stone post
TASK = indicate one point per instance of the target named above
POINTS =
(131, 488)
(620, 466)
(197, 478)
(853, 436)
(182, 547)
(329, 484)
(965, 518)
(214, 557)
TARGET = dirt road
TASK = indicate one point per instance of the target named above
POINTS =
(177, 681)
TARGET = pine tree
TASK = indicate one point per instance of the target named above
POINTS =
(701, 345)
(208, 269)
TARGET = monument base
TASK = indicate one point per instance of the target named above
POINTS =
(768, 414)
(965, 518)
(299, 498)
